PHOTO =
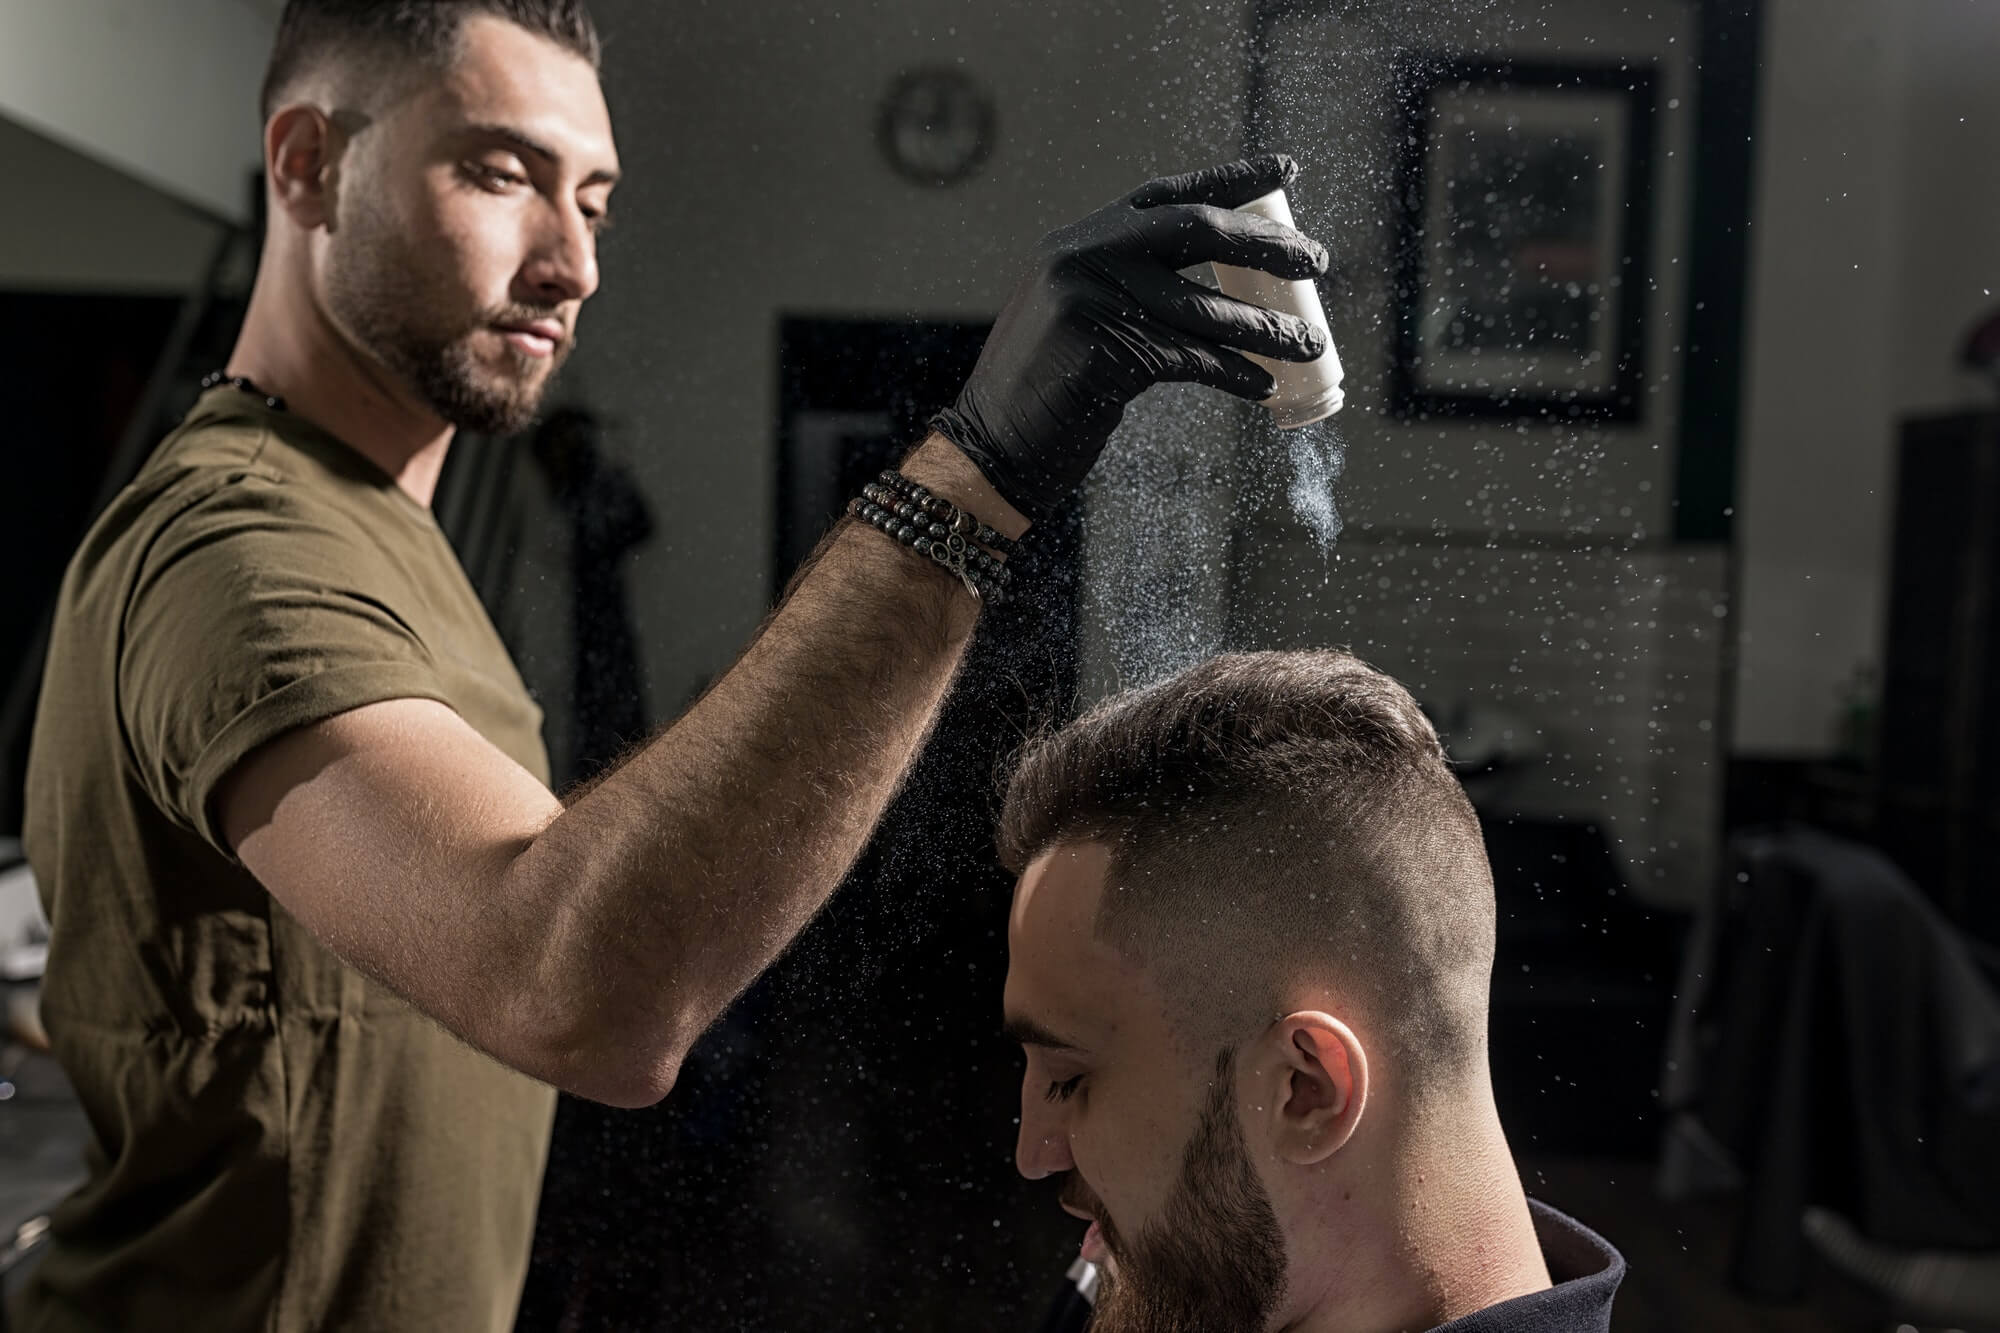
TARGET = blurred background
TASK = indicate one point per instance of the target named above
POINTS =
(1669, 481)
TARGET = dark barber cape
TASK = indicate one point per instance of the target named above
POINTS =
(1586, 1272)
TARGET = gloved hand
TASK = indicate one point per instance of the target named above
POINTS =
(1104, 315)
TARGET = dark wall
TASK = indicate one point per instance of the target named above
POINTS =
(72, 370)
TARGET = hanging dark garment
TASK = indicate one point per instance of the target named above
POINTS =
(1840, 1042)
(607, 517)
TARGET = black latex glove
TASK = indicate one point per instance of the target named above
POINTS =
(1104, 315)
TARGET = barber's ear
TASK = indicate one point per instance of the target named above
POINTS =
(1316, 1079)
(301, 150)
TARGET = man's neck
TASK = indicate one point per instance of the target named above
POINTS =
(288, 348)
(1450, 1234)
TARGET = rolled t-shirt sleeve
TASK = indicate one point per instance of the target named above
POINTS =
(253, 614)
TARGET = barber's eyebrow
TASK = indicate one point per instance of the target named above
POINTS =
(507, 134)
(1030, 1033)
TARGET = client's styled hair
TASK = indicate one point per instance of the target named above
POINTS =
(1273, 818)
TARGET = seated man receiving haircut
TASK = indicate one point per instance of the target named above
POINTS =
(1248, 959)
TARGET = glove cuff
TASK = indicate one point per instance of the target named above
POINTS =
(955, 426)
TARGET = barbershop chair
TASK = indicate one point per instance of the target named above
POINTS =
(42, 1129)
(42, 1133)
(1836, 1057)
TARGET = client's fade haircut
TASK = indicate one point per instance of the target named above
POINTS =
(423, 31)
(1276, 818)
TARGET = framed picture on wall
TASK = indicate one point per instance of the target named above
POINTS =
(1521, 266)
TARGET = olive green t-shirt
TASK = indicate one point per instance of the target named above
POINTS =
(279, 1142)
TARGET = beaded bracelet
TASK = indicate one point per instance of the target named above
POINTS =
(939, 507)
(936, 532)
(983, 577)
(948, 527)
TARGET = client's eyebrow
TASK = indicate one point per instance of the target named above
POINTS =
(1030, 1033)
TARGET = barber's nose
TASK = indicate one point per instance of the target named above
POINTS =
(564, 264)
(1043, 1147)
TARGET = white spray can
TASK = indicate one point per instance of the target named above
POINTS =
(1307, 391)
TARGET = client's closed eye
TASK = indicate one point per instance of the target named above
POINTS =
(1063, 1091)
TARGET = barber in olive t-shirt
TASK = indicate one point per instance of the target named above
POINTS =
(322, 937)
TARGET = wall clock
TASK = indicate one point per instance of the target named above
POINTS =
(936, 125)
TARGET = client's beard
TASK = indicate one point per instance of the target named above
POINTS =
(1214, 1260)
(379, 293)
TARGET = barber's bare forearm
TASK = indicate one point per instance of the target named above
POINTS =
(674, 881)
(589, 944)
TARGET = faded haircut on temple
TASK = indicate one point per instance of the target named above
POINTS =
(1273, 818)
(393, 34)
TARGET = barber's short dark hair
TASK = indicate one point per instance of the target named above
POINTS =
(421, 30)
(1275, 817)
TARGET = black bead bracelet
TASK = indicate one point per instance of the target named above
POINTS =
(937, 529)
(985, 581)
(938, 507)
(933, 527)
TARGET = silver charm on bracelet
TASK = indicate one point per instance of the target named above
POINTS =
(951, 554)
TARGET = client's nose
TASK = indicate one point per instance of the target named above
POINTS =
(1043, 1146)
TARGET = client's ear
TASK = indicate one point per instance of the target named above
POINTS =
(1316, 1077)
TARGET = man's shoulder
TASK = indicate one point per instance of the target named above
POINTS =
(217, 458)
(231, 488)
(221, 512)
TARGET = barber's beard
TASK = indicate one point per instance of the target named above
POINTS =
(1214, 1260)
(400, 309)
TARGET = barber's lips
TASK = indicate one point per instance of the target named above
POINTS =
(1093, 1249)
(538, 339)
